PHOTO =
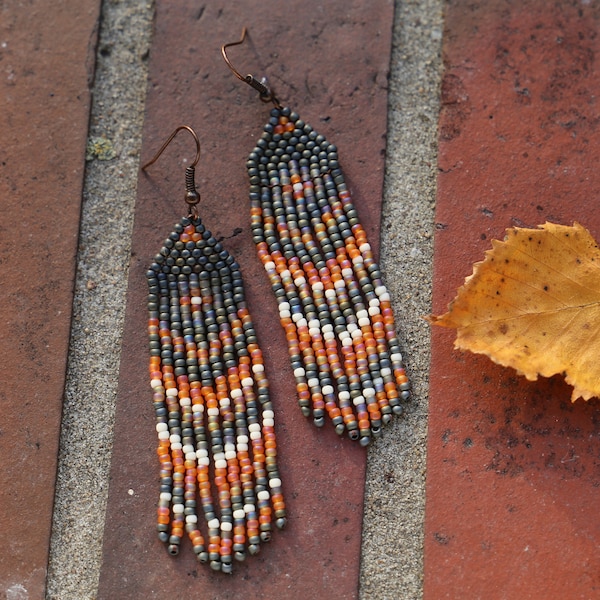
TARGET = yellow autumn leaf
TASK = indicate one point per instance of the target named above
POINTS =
(534, 304)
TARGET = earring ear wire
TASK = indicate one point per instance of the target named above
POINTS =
(192, 196)
(265, 92)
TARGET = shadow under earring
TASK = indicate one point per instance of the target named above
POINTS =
(333, 305)
(214, 418)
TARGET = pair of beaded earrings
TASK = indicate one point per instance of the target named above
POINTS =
(214, 418)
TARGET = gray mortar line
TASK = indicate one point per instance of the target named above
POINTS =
(392, 545)
(117, 113)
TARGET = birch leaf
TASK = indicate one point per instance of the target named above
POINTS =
(534, 304)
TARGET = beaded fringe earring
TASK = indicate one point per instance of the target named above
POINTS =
(214, 418)
(333, 305)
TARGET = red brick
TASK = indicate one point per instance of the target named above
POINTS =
(329, 62)
(513, 466)
(46, 58)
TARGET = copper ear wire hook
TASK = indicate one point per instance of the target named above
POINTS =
(266, 94)
(192, 196)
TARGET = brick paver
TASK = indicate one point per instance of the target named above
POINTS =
(513, 467)
(343, 97)
(47, 55)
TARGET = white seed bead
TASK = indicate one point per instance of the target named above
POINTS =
(188, 448)
(347, 341)
(362, 314)
(364, 248)
(172, 392)
(258, 368)
(163, 435)
(191, 518)
(330, 294)
(162, 427)
(247, 382)
(299, 372)
(347, 273)
(224, 402)
(385, 371)
(340, 283)
(328, 328)
(351, 327)
(225, 526)
(213, 412)
(299, 281)
(242, 439)
(269, 265)
(165, 496)
(190, 455)
(220, 464)
(275, 482)
(176, 446)
(373, 302)
(255, 435)
(268, 422)
(302, 322)
(318, 285)
(328, 335)
(364, 322)
(230, 455)
(374, 310)
(313, 382)
(156, 383)
(327, 389)
(178, 509)
(368, 392)
(213, 524)
(268, 414)
(202, 453)
(196, 300)
(253, 427)
(185, 401)
(357, 334)
(174, 438)
(242, 447)
(396, 357)
(248, 508)
(358, 400)
(380, 289)
(284, 306)
(385, 297)
(239, 514)
(236, 393)
(219, 456)
(204, 462)
(198, 408)
(263, 495)
(344, 395)
(285, 274)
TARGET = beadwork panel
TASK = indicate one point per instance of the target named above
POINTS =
(329, 62)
